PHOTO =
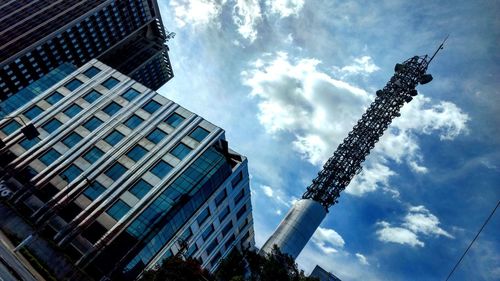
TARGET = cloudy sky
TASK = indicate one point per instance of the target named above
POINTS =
(287, 80)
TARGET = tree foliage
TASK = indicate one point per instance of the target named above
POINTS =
(177, 269)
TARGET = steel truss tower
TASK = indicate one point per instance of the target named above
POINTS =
(303, 219)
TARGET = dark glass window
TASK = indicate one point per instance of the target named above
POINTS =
(203, 216)
(52, 125)
(199, 134)
(187, 234)
(161, 169)
(27, 144)
(156, 136)
(227, 228)
(116, 171)
(71, 173)
(215, 259)
(112, 108)
(72, 110)
(174, 120)
(190, 252)
(220, 197)
(33, 112)
(212, 246)
(54, 98)
(91, 72)
(118, 210)
(93, 155)
(73, 84)
(241, 211)
(133, 121)
(114, 138)
(224, 214)
(130, 94)
(72, 139)
(92, 123)
(49, 157)
(137, 153)
(11, 127)
(92, 96)
(94, 190)
(180, 151)
(151, 106)
(237, 179)
(240, 196)
(140, 188)
(110, 83)
(207, 232)
(229, 241)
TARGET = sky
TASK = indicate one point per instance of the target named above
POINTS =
(288, 79)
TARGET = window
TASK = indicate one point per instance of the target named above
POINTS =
(94, 190)
(241, 211)
(118, 210)
(52, 125)
(243, 225)
(180, 151)
(130, 94)
(27, 144)
(239, 197)
(93, 155)
(137, 153)
(133, 121)
(212, 246)
(91, 72)
(33, 112)
(187, 234)
(73, 84)
(72, 139)
(71, 173)
(224, 214)
(220, 198)
(237, 179)
(115, 171)
(191, 250)
(151, 106)
(161, 169)
(11, 127)
(229, 241)
(215, 259)
(114, 138)
(203, 216)
(156, 136)
(54, 98)
(92, 96)
(110, 83)
(72, 110)
(140, 188)
(174, 120)
(112, 108)
(227, 228)
(199, 134)
(49, 157)
(92, 123)
(207, 232)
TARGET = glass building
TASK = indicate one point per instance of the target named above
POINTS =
(39, 36)
(120, 176)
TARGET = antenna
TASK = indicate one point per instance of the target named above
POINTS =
(439, 48)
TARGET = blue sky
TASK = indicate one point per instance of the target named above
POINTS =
(287, 79)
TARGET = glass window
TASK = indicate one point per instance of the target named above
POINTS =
(161, 169)
(137, 153)
(224, 214)
(27, 144)
(73, 84)
(187, 234)
(72, 110)
(49, 157)
(203, 216)
(52, 125)
(93, 155)
(237, 179)
(114, 138)
(94, 190)
(33, 112)
(71, 173)
(72, 139)
(54, 98)
(133, 121)
(229, 241)
(140, 188)
(227, 228)
(241, 211)
(207, 232)
(112, 108)
(180, 151)
(240, 196)
(110, 83)
(130, 94)
(11, 127)
(191, 250)
(215, 259)
(174, 120)
(118, 210)
(199, 134)
(156, 136)
(92, 96)
(220, 198)
(116, 171)
(92, 123)
(151, 106)
(212, 246)
(91, 72)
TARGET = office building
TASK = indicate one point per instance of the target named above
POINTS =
(120, 176)
(38, 36)
(323, 275)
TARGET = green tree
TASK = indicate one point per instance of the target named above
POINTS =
(177, 269)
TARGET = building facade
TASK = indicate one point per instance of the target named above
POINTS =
(323, 275)
(120, 176)
(37, 36)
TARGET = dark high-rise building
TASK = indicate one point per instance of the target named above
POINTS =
(37, 36)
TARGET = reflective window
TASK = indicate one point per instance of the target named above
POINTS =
(140, 188)
(180, 151)
(241, 211)
(229, 241)
(116, 171)
(224, 214)
(130, 94)
(199, 134)
(72, 110)
(190, 252)
(227, 228)
(174, 120)
(110, 83)
(72, 139)
(161, 169)
(237, 179)
(118, 210)
(27, 144)
(71, 173)
(11, 127)
(156, 136)
(240, 196)
(49, 157)
(137, 153)
(212, 246)
(91, 72)
(215, 259)
(54, 98)
(133, 121)
(112, 108)
(114, 138)
(73, 84)
(33, 112)
(186, 234)
(92, 123)
(93, 155)
(94, 190)
(207, 232)
(220, 197)
(52, 125)
(151, 106)
(92, 96)
(203, 216)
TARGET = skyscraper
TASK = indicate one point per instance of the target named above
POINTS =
(38, 36)
(120, 175)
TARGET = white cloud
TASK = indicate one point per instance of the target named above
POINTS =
(399, 235)
(268, 191)
(285, 8)
(196, 12)
(327, 240)
(362, 259)
(247, 15)
(370, 179)
(361, 66)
